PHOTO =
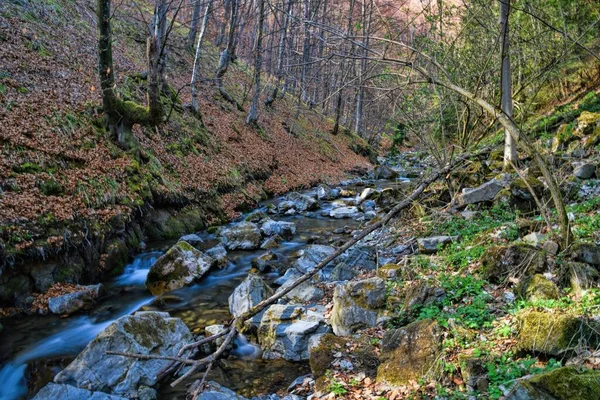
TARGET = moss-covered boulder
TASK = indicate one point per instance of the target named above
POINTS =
(553, 334)
(538, 287)
(389, 271)
(410, 353)
(329, 349)
(180, 266)
(567, 383)
(514, 261)
(578, 276)
(242, 236)
(356, 304)
(117, 256)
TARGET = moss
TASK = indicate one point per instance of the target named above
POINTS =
(117, 256)
(158, 282)
(50, 187)
(567, 383)
(321, 356)
(549, 333)
(27, 168)
(538, 287)
(499, 262)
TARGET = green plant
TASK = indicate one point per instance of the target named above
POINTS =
(337, 388)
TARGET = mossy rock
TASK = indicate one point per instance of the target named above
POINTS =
(538, 287)
(117, 256)
(587, 123)
(410, 353)
(389, 271)
(514, 261)
(553, 334)
(567, 383)
(578, 276)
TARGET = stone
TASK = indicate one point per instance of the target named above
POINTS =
(501, 262)
(219, 255)
(214, 330)
(324, 192)
(551, 247)
(285, 206)
(285, 332)
(214, 391)
(302, 202)
(567, 383)
(342, 272)
(584, 170)
(422, 294)
(43, 277)
(290, 275)
(588, 253)
(538, 287)
(281, 228)
(141, 333)
(410, 353)
(356, 304)
(548, 333)
(180, 266)
(249, 293)
(256, 217)
(263, 262)
(344, 212)
(53, 391)
(311, 256)
(192, 239)
(432, 244)
(242, 236)
(361, 256)
(480, 194)
(367, 194)
(71, 302)
(271, 242)
(368, 205)
(306, 292)
(534, 238)
(389, 271)
(473, 371)
(384, 172)
(579, 276)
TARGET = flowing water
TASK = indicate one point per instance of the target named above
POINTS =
(34, 348)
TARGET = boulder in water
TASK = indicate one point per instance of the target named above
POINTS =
(249, 293)
(141, 333)
(219, 254)
(214, 391)
(344, 212)
(54, 391)
(281, 228)
(192, 239)
(302, 202)
(242, 236)
(71, 302)
(180, 266)
(311, 256)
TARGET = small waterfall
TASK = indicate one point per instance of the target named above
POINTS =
(244, 349)
(136, 272)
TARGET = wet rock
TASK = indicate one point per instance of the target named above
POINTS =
(584, 170)
(302, 202)
(432, 244)
(538, 287)
(284, 332)
(242, 236)
(285, 206)
(53, 391)
(43, 277)
(356, 304)
(324, 192)
(263, 262)
(249, 293)
(384, 172)
(552, 334)
(567, 383)
(344, 212)
(361, 256)
(219, 255)
(214, 391)
(180, 266)
(71, 302)
(311, 256)
(410, 353)
(367, 206)
(290, 275)
(14, 290)
(281, 228)
(271, 243)
(483, 193)
(586, 252)
(192, 239)
(141, 333)
(367, 194)
(306, 292)
(342, 272)
(500, 262)
(256, 217)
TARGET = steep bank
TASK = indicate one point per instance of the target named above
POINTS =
(73, 205)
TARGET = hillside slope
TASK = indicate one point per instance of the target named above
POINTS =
(74, 201)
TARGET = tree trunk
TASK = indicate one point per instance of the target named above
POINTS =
(339, 102)
(156, 55)
(228, 55)
(305, 53)
(366, 25)
(510, 146)
(195, 71)
(191, 39)
(252, 117)
(281, 56)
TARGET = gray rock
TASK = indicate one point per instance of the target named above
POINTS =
(285, 206)
(551, 247)
(344, 212)
(306, 292)
(180, 266)
(584, 170)
(192, 239)
(219, 254)
(431, 245)
(147, 393)
(53, 391)
(249, 293)
(289, 276)
(485, 192)
(311, 256)
(302, 202)
(355, 305)
(534, 238)
(367, 206)
(342, 272)
(42, 275)
(361, 256)
(271, 243)
(384, 172)
(141, 333)
(243, 236)
(369, 215)
(71, 302)
(367, 194)
(586, 252)
(281, 228)
(214, 391)
(324, 192)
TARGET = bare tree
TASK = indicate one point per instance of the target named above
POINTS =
(510, 146)
(195, 72)
(281, 53)
(252, 117)
(228, 55)
(197, 7)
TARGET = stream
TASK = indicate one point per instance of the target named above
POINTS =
(34, 348)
